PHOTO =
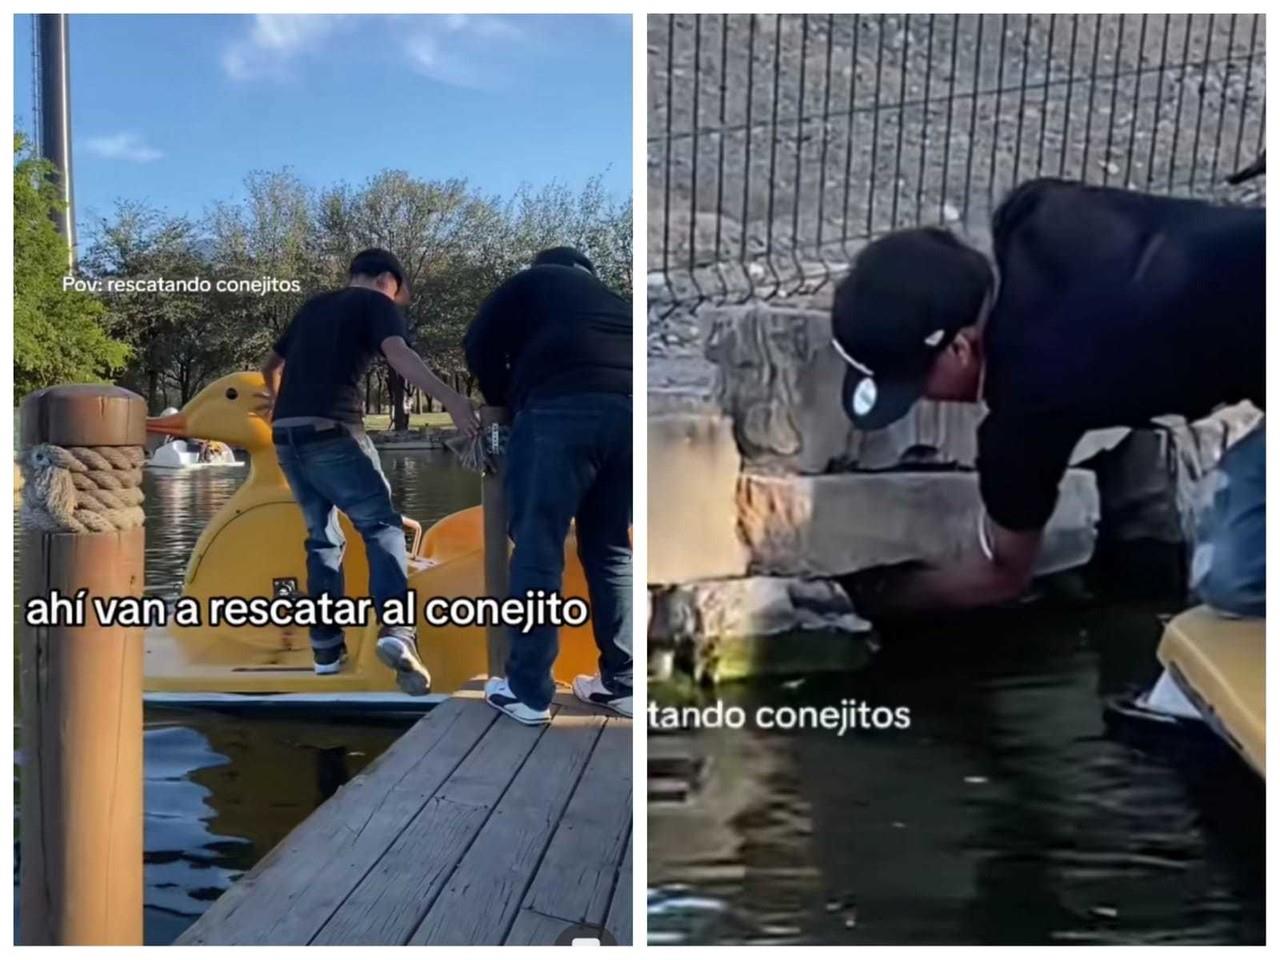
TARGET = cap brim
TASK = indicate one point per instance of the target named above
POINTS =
(891, 399)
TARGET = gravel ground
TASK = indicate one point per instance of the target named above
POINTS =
(815, 132)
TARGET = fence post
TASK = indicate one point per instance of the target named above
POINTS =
(81, 686)
(496, 554)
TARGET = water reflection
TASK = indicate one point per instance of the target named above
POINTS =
(1006, 814)
(223, 790)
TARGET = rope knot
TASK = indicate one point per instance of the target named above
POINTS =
(82, 489)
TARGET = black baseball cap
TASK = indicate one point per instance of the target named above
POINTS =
(564, 257)
(376, 261)
(905, 298)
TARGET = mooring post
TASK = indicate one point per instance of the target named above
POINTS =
(496, 555)
(81, 685)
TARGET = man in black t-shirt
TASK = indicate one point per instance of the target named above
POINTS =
(329, 461)
(553, 344)
(1106, 308)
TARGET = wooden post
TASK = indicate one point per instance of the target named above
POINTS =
(496, 554)
(81, 738)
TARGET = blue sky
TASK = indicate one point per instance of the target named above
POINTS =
(175, 110)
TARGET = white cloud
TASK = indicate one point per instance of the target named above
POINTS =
(463, 50)
(123, 146)
(273, 42)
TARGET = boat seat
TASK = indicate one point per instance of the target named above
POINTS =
(1220, 664)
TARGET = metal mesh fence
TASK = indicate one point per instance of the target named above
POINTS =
(778, 144)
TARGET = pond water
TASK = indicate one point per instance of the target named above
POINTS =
(1008, 812)
(222, 790)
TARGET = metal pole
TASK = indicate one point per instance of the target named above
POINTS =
(496, 552)
(55, 117)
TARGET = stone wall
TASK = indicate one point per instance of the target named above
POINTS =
(778, 379)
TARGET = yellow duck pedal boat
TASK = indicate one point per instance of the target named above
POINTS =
(253, 547)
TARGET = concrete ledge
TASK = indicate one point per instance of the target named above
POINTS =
(832, 525)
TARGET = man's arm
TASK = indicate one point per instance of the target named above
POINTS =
(406, 362)
(1021, 462)
(980, 579)
(272, 369)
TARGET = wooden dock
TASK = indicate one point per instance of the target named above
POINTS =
(470, 829)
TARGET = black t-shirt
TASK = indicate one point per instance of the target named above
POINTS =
(1114, 307)
(327, 349)
(547, 331)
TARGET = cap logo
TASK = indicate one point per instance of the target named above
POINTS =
(864, 397)
(935, 338)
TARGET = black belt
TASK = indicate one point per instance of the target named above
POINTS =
(306, 434)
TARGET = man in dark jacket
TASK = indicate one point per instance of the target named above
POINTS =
(328, 459)
(553, 344)
(1106, 308)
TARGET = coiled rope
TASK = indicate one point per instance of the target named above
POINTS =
(82, 489)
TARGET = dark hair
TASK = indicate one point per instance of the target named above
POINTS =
(564, 257)
(375, 262)
(923, 272)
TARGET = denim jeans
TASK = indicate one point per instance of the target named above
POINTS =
(1229, 565)
(569, 459)
(342, 473)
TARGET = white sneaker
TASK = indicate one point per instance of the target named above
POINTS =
(499, 696)
(330, 661)
(399, 654)
(592, 690)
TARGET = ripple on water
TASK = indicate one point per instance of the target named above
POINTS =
(1007, 813)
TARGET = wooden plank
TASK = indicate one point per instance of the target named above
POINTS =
(576, 876)
(618, 919)
(532, 927)
(394, 896)
(484, 893)
(289, 895)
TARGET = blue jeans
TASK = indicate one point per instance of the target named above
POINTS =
(570, 459)
(1229, 565)
(342, 472)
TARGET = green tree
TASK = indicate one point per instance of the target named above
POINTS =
(141, 243)
(58, 336)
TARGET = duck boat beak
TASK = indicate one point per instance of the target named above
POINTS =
(175, 425)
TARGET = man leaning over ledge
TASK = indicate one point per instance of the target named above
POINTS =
(1103, 308)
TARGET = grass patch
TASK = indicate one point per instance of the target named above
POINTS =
(382, 421)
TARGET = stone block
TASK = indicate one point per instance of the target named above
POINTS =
(779, 381)
(1149, 483)
(693, 476)
(832, 525)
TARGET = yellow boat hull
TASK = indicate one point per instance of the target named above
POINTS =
(1221, 666)
(261, 547)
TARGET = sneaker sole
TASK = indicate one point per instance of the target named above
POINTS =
(539, 722)
(607, 705)
(328, 669)
(411, 676)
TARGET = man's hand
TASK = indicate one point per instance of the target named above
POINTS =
(977, 580)
(464, 415)
(266, 403)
